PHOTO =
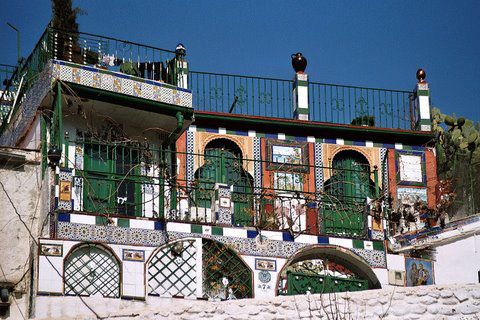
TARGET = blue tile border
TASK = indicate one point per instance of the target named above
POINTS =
(65, 217)
(287, 236)
(323, 240)
(252, 233)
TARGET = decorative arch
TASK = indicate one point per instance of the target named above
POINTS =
(171, 269)
(347, 190)
(243, 143)
(225, 274)
(91, 269)
(223, 163)
(233, 139)
(342, 256)
(353, 149)
(331, 150)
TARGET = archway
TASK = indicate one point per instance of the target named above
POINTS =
(91, 269)
(346, 194)
(338, 270)
(223, 163)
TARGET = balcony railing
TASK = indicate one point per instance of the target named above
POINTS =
(89, 50)
(6, 72)
(241, 95)
(114, 54)
(141, 181)
(332, 103)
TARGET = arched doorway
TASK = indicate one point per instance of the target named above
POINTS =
(89, 269)
(223, 163)
(325, 269)
(346, 192)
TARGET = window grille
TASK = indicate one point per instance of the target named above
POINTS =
(90, 270)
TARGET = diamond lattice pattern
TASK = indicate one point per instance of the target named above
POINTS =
(225, 275)
(171, 271)
(90, 270)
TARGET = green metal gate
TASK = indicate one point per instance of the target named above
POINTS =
(300, 283)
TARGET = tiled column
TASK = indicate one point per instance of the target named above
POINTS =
(182, 75)
(300, 96)
(222, 204)
(422, 103)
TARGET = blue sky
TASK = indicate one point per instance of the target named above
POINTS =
(363, 43)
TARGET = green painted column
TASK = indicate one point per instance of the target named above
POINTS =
(422, 103)
(300, 96)
(43, 133)
(58, 109)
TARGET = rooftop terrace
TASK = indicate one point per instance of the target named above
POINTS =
(214, 92)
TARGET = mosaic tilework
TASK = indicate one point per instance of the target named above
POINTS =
(384, 162)
(79, 156)
(110, 234)
(224, 213)
(86, 78)
(190, 157)
(375, 258)
(68, 177)
(249, 246)
(281, 136)
(122, 83)
(77, 193)
(378, 235)
(257, 157)
(318, 167)
(27, 110)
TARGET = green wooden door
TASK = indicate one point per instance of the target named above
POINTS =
(223, 166)
(347, 191)
(113, 181)
(99, 187)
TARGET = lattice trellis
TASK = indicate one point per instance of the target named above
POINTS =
(172, 270)
(90, 270)
(225, 275)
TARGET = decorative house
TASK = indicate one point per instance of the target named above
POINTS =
(165, 182)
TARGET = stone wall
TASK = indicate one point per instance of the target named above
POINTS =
(428, 302)
(21, 183)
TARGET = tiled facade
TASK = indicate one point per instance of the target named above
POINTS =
(161, 249)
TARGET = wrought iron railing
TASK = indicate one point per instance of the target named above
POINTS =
(332, 103)
(6, 72)
(24, 76)
(140, 181)
(361, 106)
(114, 54)
(241, 94)
(89, 50)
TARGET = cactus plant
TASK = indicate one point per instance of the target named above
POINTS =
(458, 157)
